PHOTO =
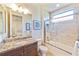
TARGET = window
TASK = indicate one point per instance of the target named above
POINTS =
(68, 15)
(63, 19)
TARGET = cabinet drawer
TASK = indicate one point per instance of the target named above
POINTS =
(14, 52)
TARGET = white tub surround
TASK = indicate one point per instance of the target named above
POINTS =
(59, 49)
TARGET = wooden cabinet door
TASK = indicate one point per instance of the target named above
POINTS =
(30, 50)
(19, 51)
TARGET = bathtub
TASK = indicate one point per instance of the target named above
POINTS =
(59, 49)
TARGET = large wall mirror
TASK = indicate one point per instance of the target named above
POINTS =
(16, 25)
(2, 24)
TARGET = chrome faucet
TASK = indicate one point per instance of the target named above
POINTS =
(3, 41)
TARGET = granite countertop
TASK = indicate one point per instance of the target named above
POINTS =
(15, 44)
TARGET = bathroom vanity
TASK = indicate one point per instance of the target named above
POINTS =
(25, 47)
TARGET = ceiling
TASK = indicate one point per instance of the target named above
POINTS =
(45, 6)
(36, 8)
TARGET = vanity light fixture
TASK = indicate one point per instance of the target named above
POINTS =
(20, 9)
(14, 7)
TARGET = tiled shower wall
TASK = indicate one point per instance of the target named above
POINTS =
(64, 32)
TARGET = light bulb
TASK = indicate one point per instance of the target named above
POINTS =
(20, 9)
(26, 11)
(14, 7)
(57, 5)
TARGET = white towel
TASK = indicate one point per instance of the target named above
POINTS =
(76, 49)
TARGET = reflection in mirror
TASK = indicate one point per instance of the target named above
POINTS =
(27, 26)
(2, 29)
(16, 25)
(1, 23)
